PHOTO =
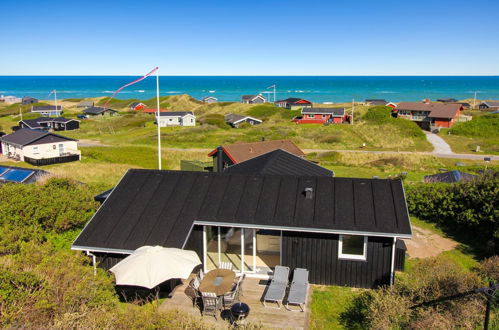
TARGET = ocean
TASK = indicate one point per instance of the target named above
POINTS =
(230, 88)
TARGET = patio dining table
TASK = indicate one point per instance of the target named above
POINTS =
(219, 281)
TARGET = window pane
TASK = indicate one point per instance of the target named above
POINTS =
(353, 244)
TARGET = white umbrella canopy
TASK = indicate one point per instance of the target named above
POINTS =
(149, 266)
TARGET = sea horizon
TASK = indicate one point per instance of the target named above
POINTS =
(315, 88)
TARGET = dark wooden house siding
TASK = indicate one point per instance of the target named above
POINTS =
(107, 260)
(195, 241)
(319, 254)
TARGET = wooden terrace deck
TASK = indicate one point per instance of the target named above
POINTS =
(253, 291)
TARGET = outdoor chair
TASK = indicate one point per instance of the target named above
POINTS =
(211, 304)
(231, 297)
(298, 290)
(240, 281)
(194, 285)
(277, 287)
(225, 265)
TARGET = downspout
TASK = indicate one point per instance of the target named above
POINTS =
(94, 262)
(392, 266)
(220, 162)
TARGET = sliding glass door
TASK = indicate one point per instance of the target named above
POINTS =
(248, 250)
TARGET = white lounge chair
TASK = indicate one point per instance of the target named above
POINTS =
(298, 290)
(277, 287)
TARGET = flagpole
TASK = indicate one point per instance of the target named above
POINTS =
(274, 93)
(157, 119)
(55, 100)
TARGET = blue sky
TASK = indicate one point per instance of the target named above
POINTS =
(272, 37)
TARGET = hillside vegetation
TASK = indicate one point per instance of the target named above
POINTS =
(482, 131)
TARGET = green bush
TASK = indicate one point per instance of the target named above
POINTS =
(467, 209)
(29, 212)
(481, 126)
(428, 280)
(215, 120)
(378, 114)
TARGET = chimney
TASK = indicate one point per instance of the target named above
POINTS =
(309, 193)
(220, 161)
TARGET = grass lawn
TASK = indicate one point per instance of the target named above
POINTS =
(468, 144)
(328, 302)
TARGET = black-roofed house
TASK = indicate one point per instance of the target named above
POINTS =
(50, 123)
(375, 102)
(447, 100)
(235, 120)
(489, 105)
(253, 99)
(293, 103)
(321, 116)
(450, 177)
(47, 110)
(99, 111)
(29, 100)
(278, 162)
(38, 147)
(343, 230)
(176, 118)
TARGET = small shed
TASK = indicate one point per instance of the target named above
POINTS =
(235, 120)
(137, 106)
(489, 105)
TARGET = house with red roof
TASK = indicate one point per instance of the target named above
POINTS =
(430, 115)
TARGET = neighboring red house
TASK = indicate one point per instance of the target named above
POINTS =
(227, 155)
(391, 105)
(430, 115)
(293, 103)
(137, 106)
(321, 116)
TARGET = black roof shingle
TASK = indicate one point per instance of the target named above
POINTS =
(152, 207)
(26, 136)
(279, 162)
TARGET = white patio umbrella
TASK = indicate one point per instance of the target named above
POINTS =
(149, 266)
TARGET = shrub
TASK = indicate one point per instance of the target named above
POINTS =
(215, 120)
(481, 126)
(428, 280)
(489, 269)
(28, 212)
(378, 114)
(468, 209)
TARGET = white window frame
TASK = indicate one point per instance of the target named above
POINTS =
(342, 255)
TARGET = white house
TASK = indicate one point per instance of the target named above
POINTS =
(39, 148)
(47, 110)
(176, 118)
(10, 99)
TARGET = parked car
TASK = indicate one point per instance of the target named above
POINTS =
(82, 116)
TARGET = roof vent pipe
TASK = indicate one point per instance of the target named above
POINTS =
(309, 193)
(220, 159)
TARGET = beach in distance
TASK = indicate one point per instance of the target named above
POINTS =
(230, 88)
